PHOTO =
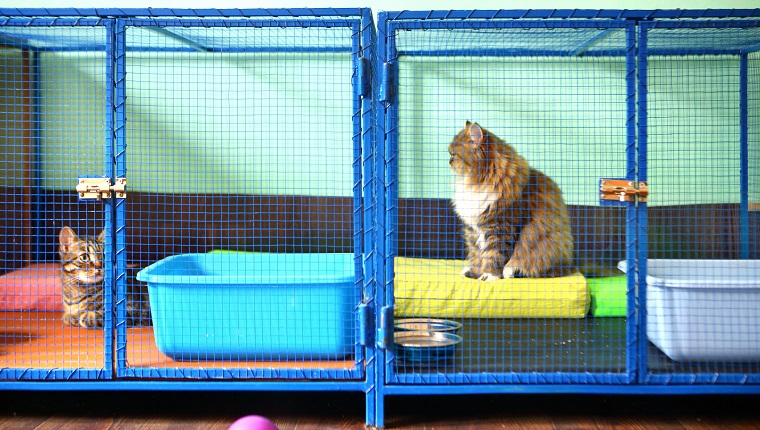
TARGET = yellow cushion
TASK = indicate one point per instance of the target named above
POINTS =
(435, 288)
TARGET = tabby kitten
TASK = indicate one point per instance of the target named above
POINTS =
(82, 280)
(515, 221)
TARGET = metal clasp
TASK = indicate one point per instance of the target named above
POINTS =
(101, 188)
(623, 190)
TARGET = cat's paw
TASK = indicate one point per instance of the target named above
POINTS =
(466, 272)
(509, 272)
(489, 277)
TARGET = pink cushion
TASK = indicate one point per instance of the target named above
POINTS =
(35, 287)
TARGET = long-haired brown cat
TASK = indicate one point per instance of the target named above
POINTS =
(515, 221)
(82, 280)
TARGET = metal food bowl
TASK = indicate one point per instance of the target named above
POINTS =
(426, 346)
(427, 324)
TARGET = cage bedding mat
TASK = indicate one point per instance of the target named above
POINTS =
(435, 288)
(35, 287)
(609, 296)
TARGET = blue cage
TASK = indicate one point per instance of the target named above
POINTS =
(599, 101)
(222, 155)
(539, 84)
(270, 203)
(698, 93)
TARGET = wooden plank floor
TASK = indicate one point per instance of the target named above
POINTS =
(328, 411)
(31, 339)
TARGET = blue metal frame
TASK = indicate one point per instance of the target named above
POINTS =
(361, 118)
(111, 139)
(119, 114)
(366, 71)
(744, 155)
(302, 13)
(480, 25)
(106, 371)
(375, 192)
(632, 239)
(407, 390)
(391, 53)
(361, 45)
(613, 14)
(706, 378)
(642, 230)
(637, 380)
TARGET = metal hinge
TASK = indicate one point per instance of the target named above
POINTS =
(387, 85)
(101, 188)
(623, 190)
(366, 324)
(365, 77)
(385, 329)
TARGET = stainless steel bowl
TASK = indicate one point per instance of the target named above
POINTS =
(426, 346)
(427, 324)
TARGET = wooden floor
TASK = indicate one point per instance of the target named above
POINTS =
(327, 411)
(31, 340)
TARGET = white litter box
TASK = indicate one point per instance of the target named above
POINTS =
(704, 310)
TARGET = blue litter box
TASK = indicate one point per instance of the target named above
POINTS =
(253, 306)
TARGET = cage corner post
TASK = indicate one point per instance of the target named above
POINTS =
(633, 332)
(744, 235)
(117, 124)
(637, 278)
(382, 229)
(366, 223)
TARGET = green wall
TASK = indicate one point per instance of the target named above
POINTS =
(567, 117)
(281, 123)
(754, 129)
(72, 117)
(198, 123)
(693, 139)
(12, 152)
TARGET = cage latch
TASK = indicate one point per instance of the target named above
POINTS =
(623, 190)
(101, 188)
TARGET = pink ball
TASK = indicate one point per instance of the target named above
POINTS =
(253, 422)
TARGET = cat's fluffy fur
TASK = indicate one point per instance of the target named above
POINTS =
(515, 221)
(82, 281)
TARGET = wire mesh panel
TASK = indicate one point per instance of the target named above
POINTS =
(700, 91)
(244, 216)
(54, 128)
(498, 134)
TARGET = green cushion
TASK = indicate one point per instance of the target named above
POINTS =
(608, 296)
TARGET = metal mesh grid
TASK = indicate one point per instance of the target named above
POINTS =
(567, 114)
(243, 157)
(54, 100)
(527, 37)
(239, 38)
(53, 130)
(702, 301)
(710, 39)
(753, 150)
(243, 154)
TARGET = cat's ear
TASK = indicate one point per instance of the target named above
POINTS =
(475, 133)
(67, 237)
(102, 236)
